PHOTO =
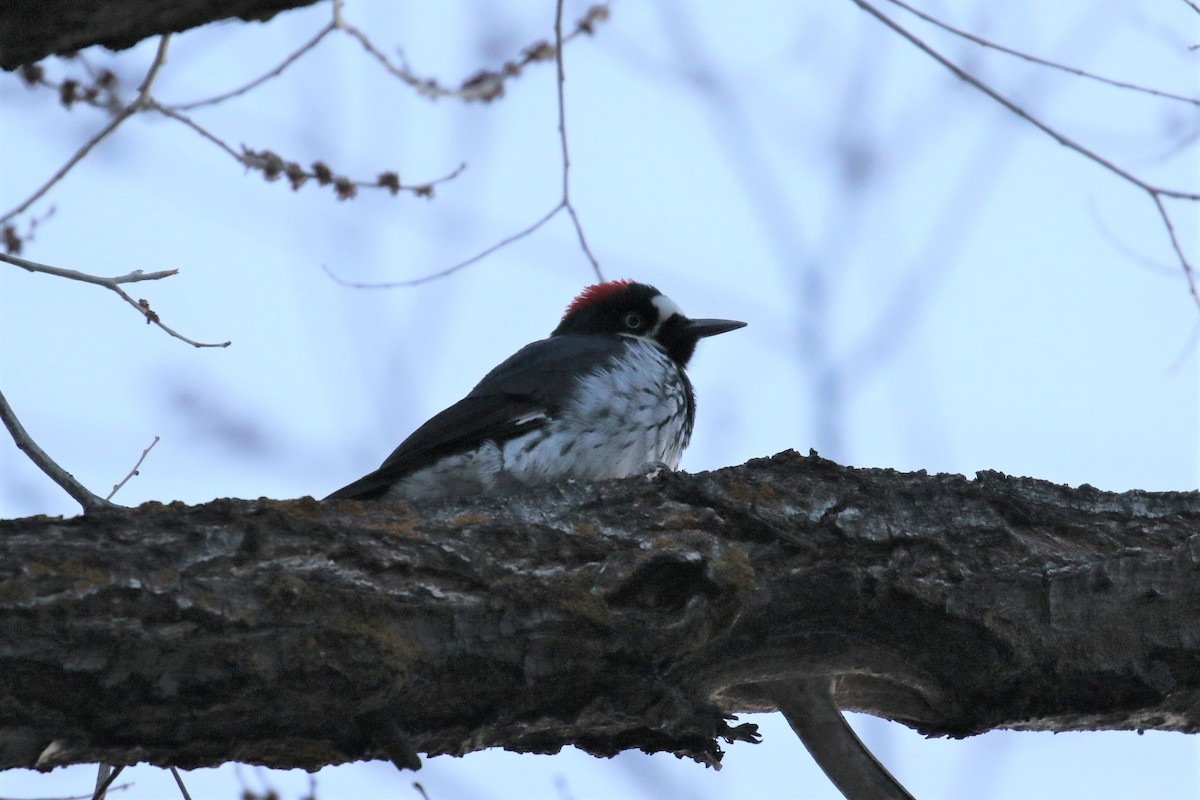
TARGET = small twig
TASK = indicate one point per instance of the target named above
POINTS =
(425, 87)
(274, 73)
(204, 132)
(102, 786)
(160, 58)
(174, 772)
(932, 20)
(486, 85)
(1188, 270)
(125, 113)
(1061, 138)
(1157, 193)
(102, 772)
(564, 202)
(562, 136)
(451, 269)
(38, 456)
(273, 166)
(133, 471)
(114, 284)
(80, 154)
(808, 706)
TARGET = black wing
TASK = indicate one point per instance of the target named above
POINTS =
(520, 395)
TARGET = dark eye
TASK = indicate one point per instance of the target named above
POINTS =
(633, 320)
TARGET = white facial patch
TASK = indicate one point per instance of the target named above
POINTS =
(666, 309)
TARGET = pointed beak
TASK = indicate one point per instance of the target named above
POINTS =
(710, 327)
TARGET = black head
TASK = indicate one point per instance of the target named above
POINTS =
(625, 308)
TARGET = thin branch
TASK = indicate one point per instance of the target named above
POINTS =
(273, 166)
(425, 87)
(114, 284)
(1131, 253)
(174, 772)
(584, 25)
(1157, 193)
(195, 126)
(1020, 112)
(562, 136)
(809, 708)
(160, 58)
(133, 471)
(486, 85)
(1188, 270)
(274, 73)
(38, 456)
(451, 269)
(268, 163)
(80, 154)
(932, 20)
(102, 787)
(74, 275)
(102, 772)
(125, 113)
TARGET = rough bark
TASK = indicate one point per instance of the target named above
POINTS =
(631, 614)
(30, 30)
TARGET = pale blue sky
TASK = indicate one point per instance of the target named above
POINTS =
(990, 299)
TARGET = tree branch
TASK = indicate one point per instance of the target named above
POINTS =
(631, 614)
(31, 31)
(987, 43)
(114, 285)
(45, 463)
(1155, 192)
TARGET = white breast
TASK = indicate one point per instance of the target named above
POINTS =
(622, 417)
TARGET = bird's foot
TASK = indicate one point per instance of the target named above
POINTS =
(652, 470)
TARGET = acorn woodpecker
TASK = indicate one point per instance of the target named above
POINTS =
(605, 396)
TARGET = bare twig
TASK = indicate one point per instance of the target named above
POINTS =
(174, 772)
(562, 136)
(932, 20)
(79, 155)
(273, 166)
(102, 772)
(485, 85)
(274, 73)
(1020, 112)
(38, 456)
(114, 284)
(810, 710)
(102, 786)
(500, 245)
(564, 202)
(133, 471)
(160, 58)
(204, 132)
(1156, 193)
(1188, 269)
(138, 104)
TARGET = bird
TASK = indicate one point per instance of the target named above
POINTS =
(604, 396)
